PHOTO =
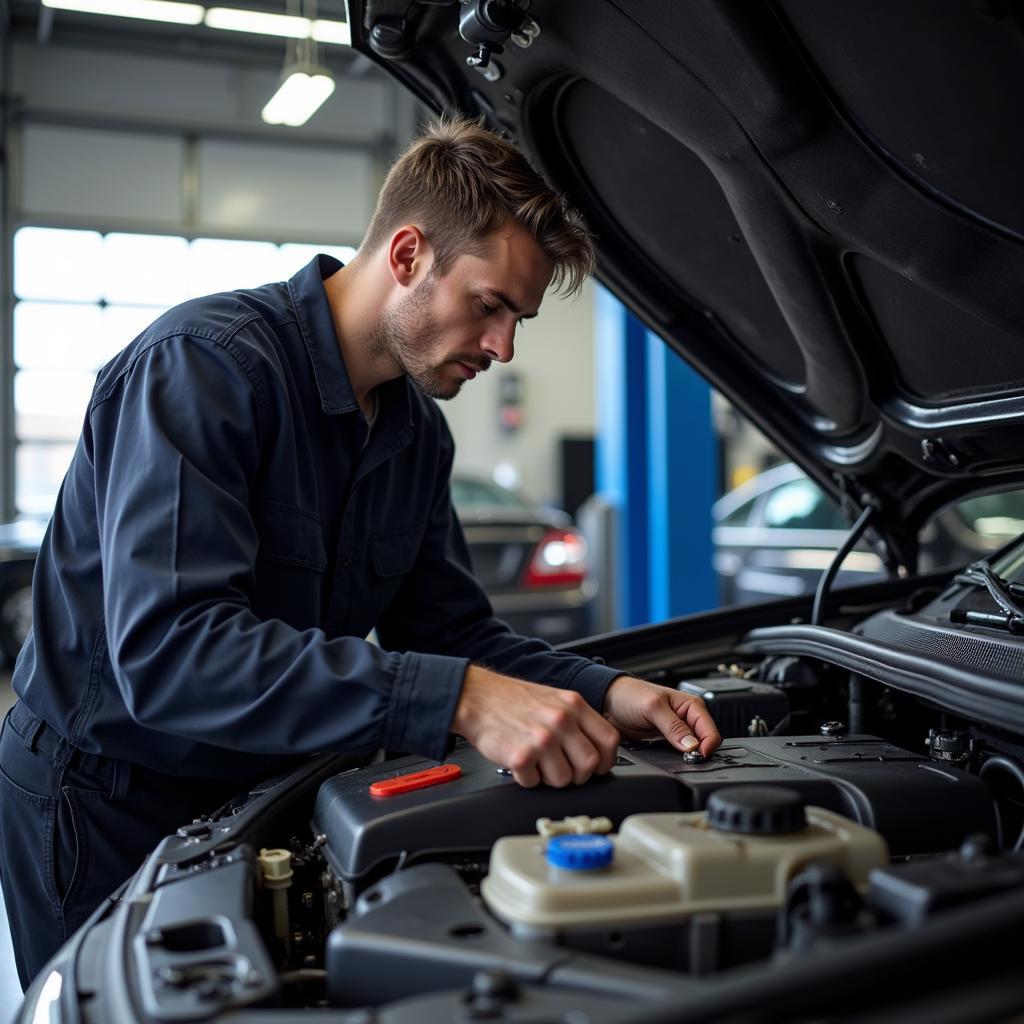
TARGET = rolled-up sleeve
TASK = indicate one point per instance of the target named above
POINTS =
(175, 442)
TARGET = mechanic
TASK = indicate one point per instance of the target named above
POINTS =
(262, 479)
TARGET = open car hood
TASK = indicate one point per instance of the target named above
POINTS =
(818, 205)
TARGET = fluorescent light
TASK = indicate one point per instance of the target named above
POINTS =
(147, 10)
(259, 22)
(299, 96)
(332, 32)
(233, 19)
(322, 30)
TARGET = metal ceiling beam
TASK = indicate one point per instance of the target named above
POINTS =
(173, 41)
(44, 25)
(382, 147)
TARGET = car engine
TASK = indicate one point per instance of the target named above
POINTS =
(856, 816)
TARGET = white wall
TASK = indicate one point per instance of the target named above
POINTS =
(136, 181)
(117, 141)
(170, 90)
(555, 361)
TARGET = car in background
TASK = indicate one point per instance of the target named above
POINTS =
(529, 558)
(776, 533)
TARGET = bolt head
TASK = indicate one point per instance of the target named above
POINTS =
(495, 984)
(977, 847)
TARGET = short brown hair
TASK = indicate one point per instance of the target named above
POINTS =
(460, 182)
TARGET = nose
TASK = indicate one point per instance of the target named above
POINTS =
(499, 342)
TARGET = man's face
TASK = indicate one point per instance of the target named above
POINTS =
(449, 328)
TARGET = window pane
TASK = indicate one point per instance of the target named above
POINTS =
(40, 468)
(295, 257)
(62, 334)
(147, 270)
(50, 404)
(802, 505)
(51, 263)
(468, 492)
(121, 326)
(217, 265)
(739, 516)
(997, 516)
(56, 336)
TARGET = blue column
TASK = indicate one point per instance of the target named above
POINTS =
(621, 470)
(681, 485)
(656, 464)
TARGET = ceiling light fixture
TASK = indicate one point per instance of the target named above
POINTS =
(302, 91)
(147, 10)
(305, 82)
(332, 32)
(235, 19)
(290, 26)
(231, 19)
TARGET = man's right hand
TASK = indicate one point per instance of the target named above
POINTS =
(541, 734)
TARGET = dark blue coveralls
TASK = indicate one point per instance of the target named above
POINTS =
(221, 545)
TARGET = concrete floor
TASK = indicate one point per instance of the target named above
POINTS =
(10, 989)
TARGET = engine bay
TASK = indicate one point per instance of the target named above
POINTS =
(843, 821)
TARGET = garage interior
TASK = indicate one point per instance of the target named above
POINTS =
(138, 171)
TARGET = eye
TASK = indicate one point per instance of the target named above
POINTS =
(521, 321)
(485, 309)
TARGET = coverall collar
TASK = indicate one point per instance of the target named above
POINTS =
(313, 313)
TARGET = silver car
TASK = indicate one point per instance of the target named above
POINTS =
(775, 534)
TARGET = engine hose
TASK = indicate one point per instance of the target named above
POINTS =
(829, 575)
(1011, 766)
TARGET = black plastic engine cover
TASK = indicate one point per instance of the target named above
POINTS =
(367, 834)
(734, 702)
(419, 930)
(919, 807)
(911, 893)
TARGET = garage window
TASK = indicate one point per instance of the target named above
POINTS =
(80, 297)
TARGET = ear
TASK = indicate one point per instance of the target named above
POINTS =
(410, 256)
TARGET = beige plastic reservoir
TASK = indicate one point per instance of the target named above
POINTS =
(670, 866)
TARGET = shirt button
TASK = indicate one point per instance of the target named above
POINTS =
(346, 563)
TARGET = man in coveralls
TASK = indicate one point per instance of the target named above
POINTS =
(262, 478)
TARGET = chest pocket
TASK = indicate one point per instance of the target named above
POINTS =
(394, 551)
(290, 536)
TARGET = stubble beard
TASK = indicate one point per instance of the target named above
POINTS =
(407, 334)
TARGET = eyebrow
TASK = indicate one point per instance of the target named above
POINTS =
(509, 304)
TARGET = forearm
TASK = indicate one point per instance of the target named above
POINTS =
(489, 642)
(221, 676)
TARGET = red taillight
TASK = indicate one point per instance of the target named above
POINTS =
(559, 560)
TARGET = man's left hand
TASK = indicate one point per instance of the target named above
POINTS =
(642, 710)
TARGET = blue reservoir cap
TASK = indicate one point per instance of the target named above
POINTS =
(580, 853)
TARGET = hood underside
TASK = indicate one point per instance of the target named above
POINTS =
(819, 205)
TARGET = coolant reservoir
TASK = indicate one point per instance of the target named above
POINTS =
(738, 856)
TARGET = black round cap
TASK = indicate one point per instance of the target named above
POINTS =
(756, 810)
